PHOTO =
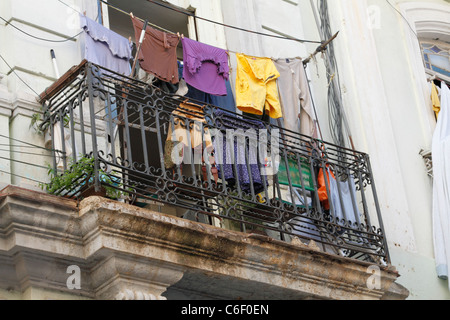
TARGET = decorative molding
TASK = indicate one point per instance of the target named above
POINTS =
(427, 18)
(128, 253)
(227, 253)
(31, 72)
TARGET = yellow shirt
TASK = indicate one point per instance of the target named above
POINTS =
(256, 86)
(435, 99)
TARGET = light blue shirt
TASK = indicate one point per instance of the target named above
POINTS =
(105, 47)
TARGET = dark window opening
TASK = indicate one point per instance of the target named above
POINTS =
(157, 16)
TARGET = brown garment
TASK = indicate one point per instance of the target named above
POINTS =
(158, 54)
(189, 117)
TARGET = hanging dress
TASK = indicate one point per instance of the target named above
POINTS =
(441, 186)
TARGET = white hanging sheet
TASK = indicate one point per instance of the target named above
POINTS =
(441, 186)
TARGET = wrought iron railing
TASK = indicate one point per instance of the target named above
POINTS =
(110, 133)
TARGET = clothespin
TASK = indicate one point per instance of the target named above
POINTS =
(84, 12)
(132, 15)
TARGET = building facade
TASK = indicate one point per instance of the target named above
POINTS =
(371, 96)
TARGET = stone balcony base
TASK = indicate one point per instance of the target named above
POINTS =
(103, 249)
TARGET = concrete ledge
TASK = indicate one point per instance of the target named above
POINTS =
(125, 251)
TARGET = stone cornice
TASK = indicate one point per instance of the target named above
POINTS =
(12, 106)
(216, 250)
(127, 252)
(5, 101)
(427, 18)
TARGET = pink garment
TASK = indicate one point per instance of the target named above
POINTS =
(205, 67)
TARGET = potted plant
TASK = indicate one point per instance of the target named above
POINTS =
(79, 178)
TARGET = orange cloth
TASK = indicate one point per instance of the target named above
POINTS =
(322, 191)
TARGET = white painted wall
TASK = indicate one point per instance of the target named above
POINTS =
(386, 100)
(30, 59)
(389, 109)
(383, 84)
(407, 94)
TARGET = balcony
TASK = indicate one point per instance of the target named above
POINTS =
(109, 137)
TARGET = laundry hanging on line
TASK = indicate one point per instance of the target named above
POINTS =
(341, 195)
(187, 117)
(441, 180)
(435, 99)
(105, 47)
(226, 102)
(256, 86)
(231, 153)
(158, 54)
(260, 86)
(295, 98)
(205, 67)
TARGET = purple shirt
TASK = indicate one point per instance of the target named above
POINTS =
(205, 67)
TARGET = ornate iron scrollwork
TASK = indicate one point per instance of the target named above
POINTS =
(131, 122)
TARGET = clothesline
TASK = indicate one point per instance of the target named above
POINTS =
(212, 21)
(259, 78)
(321, 48)
(435, 78)
(130, 14)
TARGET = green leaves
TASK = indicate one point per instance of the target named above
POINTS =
(76, 176)
(80, 175)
